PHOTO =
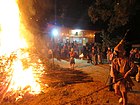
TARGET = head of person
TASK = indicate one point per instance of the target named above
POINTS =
(119, 50)
(136, 50)
(108, 48)
(72, 49)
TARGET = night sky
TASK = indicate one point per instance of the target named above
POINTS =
(75, 14)
(70, 13)
(134, 33)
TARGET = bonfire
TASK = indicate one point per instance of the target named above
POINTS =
(20, 69)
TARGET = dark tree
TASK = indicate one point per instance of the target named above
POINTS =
(115, 14)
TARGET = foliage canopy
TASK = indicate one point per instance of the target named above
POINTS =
(116, 16)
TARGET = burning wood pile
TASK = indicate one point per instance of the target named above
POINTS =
(20, 75)
(20, 68)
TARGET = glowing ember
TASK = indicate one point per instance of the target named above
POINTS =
(22, 75)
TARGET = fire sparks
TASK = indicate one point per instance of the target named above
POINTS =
(21, 74)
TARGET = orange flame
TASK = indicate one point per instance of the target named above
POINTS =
(11, 41)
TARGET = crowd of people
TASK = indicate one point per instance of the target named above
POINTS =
(90, 52)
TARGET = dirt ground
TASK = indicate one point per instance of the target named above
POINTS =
(82, 86)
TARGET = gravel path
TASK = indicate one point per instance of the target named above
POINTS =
(80, 86)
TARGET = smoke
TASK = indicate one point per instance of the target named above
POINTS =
(34, 17)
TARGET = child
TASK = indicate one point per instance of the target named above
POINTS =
(72, 60)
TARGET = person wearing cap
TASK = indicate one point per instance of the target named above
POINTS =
(121, 71)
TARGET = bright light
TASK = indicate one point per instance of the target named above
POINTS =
(55, 32)
(76, 30)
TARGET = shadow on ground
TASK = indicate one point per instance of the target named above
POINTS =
(66, 76)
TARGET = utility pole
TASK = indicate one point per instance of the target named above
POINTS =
(53, 31)
(55, 12)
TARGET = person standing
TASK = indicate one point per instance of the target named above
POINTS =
(72, 58)
(111, 88)
(121, 72)
(88, 54)
(99, 55)
(108, 53)
(94, 55)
